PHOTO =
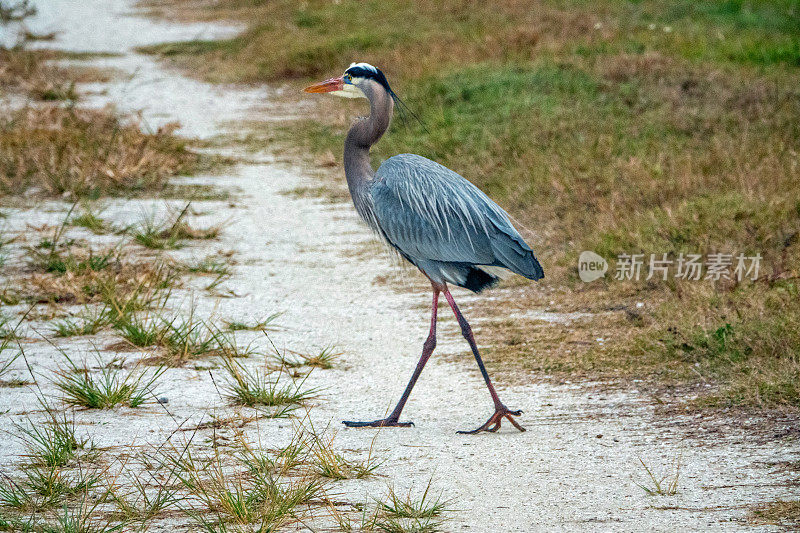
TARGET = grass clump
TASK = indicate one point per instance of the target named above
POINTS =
(141, 330)
(119, 281)
(138, 503)
(666, 485)
(283, 461)
(211, 264)
(260, 499)
(329, 464)
(66, 271)
(181, 337)
(286, 358)
(258, 325)
(53, 443)
(784, 513)
(54, 468)
(259, 388)
(16, 10)
(88, 322)
(187, 337)
(396, 513)
(75, 260)
(113, 387)
(168, 233)
(91, 221)
(32, 72)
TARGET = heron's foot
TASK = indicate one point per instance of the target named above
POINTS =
(383, 423)
(493, 424)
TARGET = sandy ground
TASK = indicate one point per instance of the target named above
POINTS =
(576, 467)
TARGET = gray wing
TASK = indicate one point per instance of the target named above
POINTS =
(430, 213)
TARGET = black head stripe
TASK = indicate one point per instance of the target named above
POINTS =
(364, 72)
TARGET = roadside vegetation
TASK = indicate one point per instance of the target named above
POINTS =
(52, 147)
(618, 127)
(66, 483)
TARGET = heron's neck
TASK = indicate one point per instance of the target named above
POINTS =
(362, 135)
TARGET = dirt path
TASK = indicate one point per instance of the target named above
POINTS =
(576, 466)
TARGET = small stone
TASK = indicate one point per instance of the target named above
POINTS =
(163, 399)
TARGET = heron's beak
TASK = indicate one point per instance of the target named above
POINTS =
(327, 86)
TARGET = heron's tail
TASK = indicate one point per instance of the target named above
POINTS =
(478, 279)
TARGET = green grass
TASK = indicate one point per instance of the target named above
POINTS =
(329, 464)
(51, 259)
(181, 337)
(318, 37)
(88, 322)
(254, 498)
(83, 388)
(141, 330)
(261, 387)
(53, 443)
(185, 337)
(87, 517)
(324, 358)
(169, 232)
(410, 513)
(211, 264)
(91, 221)
(661, 485)
(257, 325)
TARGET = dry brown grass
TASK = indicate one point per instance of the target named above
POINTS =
(32, 72)
(86, 153)
(55, 149)
(782, 512)
(126, 283)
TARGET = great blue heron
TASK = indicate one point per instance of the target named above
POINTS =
(434, 218)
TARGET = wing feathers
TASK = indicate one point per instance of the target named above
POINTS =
(431, 214)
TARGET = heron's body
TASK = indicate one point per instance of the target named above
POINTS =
(433, 217)
(437, 220)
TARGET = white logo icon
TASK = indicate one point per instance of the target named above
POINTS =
(591, 266)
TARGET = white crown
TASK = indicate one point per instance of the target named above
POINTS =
(364, 65)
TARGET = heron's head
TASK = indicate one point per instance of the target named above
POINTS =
(354, 83)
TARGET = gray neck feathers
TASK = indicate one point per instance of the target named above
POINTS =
(362, 135)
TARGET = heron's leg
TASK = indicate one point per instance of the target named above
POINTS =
(427, 350)
(501, 411)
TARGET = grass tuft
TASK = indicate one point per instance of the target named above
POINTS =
(407, 513)
(89, 321)
(784, 513)
(91, 221)
(666, 485)
(259, 325)
(252, 497)
(169, 232)
(259, 388)
(329, 464)
(211, 264)
(52, 443)
(113, 387)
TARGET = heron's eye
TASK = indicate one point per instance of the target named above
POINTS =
(348, 78)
